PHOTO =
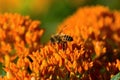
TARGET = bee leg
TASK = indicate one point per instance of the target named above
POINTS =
(64, 46)
(59, 46)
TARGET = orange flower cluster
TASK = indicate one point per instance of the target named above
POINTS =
(19, 36)
(93, 54)
(98, 29)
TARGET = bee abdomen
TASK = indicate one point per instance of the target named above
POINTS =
(68, 38)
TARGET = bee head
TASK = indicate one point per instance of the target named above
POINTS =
(52, 40)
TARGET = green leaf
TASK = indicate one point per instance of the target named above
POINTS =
(16, 59)
(78, 75)
(103, 70)
(93, 56)
(27, 46)
(13, 52)
(116, 77)
(2, 72)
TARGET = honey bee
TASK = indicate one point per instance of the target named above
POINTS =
(61, 39)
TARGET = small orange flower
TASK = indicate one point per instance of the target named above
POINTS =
(118, 64)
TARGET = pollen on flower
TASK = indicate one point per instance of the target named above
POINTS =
(93, 53)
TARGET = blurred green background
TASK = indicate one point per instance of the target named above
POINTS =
(51, 12)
